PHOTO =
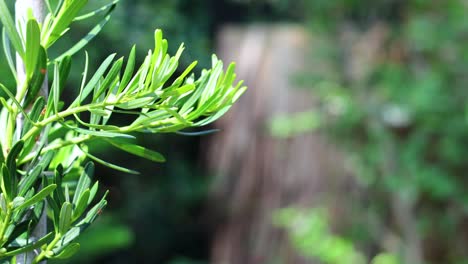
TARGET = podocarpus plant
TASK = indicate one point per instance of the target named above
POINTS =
(44, 153)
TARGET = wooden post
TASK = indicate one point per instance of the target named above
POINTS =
(257, 173)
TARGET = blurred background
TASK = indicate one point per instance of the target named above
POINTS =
(350, 145)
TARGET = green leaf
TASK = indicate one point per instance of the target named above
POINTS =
(58, 194)
(198, 133)
(29, 179)
(8, 54)
(3, 203)
(33, 40)
(213, 117)
(75, 231)
(93, 191)
(145, 68)
(211, 85)
(84, 181)
(34, 115)
(38, 197)
(97, 11)
(49, 7)
(100, 133)
(13, 155)
(38, 76)
(17, 201)
(9, 26)
(94, 212)
(94, 80)
(58, 7)
(95, 117)
(6, 183)
(110, 165)
(137, 103)
(203, 108)
(55, 90)
(13, 99)
(64, 70)
(55, 209)
(82, 204)
(68, 251)
(179, 117)
(83, 79)
(184, 74)
(201, 85)
(153, 116)
(99, 112)
(110, 77)
(65, 218)
(138, 151)
(178, 92)
(90, 36)
(31, 246)
(128, 70)
(62, 20)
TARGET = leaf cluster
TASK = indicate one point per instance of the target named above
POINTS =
(44, 141)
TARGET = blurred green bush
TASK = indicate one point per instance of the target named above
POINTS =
(403, 125)
(312, 236)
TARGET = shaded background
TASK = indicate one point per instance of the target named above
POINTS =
(355, 122)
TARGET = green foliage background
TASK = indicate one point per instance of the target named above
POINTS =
(404, 126)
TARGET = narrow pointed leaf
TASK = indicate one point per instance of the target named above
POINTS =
(8, 54)
(13, 99)
(74, 232)
(93, 191)
(110, 165)
(137, 103)
(94, 80)
(213, 117)
(84, 181)
(62, 20)
(41, 195)
(6, 183)
(100, 133)
(198, 133)
(68, 251)
(82, 204)
(97, 11)
(65, 218)
(128, 70)
(64, 71)
(31, 246)
(138, 151)
(9, 25)
(86, 39)
(110, 77)
(94, 212)
(13, 155)
(33, 39)
(38, 76)
(29, 180)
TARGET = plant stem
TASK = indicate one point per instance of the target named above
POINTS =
(49, 248)
(60, 116)
(13, 122)
(5, 225)
(64, 143)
